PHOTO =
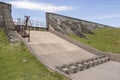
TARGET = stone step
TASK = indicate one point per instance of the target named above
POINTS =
(73, 68)
(80, 67)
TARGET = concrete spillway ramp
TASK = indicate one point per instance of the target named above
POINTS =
(54, 51)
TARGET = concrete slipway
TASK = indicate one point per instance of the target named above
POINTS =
(54, 51)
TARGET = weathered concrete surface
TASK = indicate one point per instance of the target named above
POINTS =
(107, 71)
(54, 51)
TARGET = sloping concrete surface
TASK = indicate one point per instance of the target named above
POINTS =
(106, 71)
(54, 51)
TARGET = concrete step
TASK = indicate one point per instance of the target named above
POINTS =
(73, 68)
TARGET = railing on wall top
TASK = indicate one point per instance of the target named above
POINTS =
(34, 23)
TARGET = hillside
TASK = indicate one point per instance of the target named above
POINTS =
(17, 63)
(104, 39)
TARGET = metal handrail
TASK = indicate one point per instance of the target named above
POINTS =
(34, 23)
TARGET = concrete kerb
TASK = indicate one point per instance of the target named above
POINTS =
(38, 58)
(114, 57)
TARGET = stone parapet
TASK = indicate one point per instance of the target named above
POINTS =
(68, 25)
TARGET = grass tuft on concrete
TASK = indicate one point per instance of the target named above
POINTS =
(17, 63)
(105, 39)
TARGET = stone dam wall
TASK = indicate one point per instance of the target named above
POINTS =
(5, 16)
(69, 25)
(6, 22)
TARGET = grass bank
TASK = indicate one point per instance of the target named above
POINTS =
(17, 63)
(105, 39)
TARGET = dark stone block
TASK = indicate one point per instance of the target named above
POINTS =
(87, 65)
(91, 63)
(73, 69)
(66, 70)
(80, 67)
(96, 62)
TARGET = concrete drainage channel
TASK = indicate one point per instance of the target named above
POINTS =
(82, 65)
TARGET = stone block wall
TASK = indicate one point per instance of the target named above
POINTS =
(5, 16)
(6, 22)
(69, 25)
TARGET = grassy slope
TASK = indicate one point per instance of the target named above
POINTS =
(105, 39)
(14, 67)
